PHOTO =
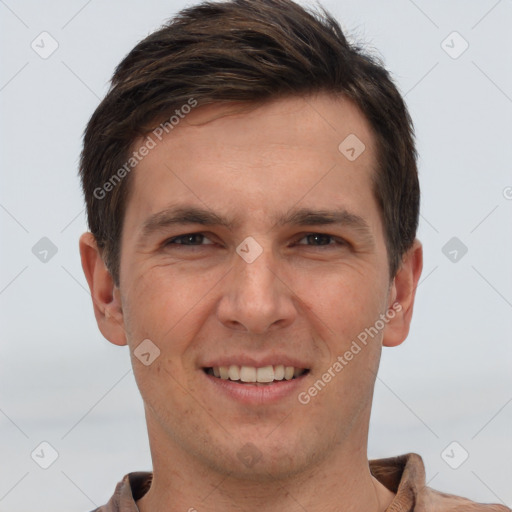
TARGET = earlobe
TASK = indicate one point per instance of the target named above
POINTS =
(402, 295)
(105, 295)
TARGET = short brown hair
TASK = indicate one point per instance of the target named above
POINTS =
(245, 50)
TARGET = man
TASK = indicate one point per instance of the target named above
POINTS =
(253, 200)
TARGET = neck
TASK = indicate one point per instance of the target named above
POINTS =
(340, 482)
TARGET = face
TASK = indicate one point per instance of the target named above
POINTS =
(253, 249)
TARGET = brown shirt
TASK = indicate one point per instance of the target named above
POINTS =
(403, 475)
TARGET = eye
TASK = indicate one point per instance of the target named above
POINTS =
(190, 239)
(320, 239)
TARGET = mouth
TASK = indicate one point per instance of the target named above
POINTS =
(264, 375)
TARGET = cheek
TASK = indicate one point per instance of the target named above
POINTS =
(166, 303)
(345, 299)
(165, 307)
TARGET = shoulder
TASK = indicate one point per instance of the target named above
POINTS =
(405, 476)
(131, 488)
(436, 501)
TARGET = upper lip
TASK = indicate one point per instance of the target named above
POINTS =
(256, 362)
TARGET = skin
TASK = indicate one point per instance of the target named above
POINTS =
(202, 301)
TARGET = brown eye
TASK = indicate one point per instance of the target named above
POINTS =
(319, 240)
(191, 239)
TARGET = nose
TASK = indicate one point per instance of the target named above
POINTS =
(256, 297)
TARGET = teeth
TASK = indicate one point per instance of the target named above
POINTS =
(247, 374)
(264, 374)
(279, 372)
(234, 372)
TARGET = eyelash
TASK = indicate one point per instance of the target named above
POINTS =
(337, 240)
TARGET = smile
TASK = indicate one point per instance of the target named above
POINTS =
(251, 374)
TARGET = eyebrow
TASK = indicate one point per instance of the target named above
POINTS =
(182, 215)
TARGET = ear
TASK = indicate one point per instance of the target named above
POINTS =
(401, 296)
(106, 297)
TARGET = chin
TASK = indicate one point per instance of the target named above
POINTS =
(266, 458)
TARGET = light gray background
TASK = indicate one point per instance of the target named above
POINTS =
(61, 382)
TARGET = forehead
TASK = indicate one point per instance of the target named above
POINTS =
(310, 123)
(259, 158)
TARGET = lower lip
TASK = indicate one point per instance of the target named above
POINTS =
(252, 394)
